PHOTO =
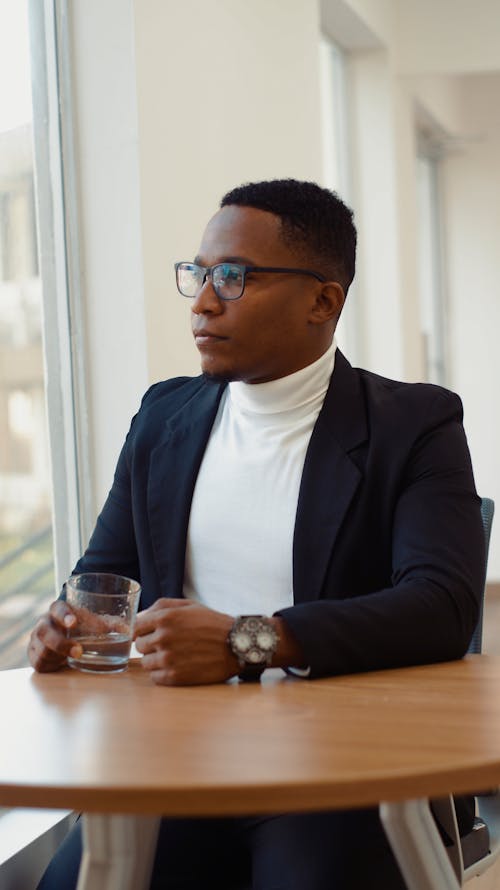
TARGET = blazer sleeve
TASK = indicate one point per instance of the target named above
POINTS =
(428, 608)
(113, 544)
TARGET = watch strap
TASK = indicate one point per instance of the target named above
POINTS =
(251, 673)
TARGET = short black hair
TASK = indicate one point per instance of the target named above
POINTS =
(313, 219)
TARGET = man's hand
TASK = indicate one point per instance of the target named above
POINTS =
(184, 643)
(49, 643)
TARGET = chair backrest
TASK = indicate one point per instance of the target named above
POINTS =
(472, 846)
(487, 511)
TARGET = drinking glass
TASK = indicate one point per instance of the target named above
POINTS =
(105, 606)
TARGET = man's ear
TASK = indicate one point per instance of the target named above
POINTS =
(328, 303)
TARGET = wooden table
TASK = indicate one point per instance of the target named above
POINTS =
(120, 745)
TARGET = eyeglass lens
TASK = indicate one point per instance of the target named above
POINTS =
(227, 279)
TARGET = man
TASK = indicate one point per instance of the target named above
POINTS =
(334, 505)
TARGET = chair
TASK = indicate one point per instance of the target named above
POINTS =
(474, 853)
(487, 511)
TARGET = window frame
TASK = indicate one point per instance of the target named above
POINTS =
(63, 322)
(432, 280)
(338, 166)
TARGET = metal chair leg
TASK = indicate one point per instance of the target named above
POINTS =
(118, 852)
(417, 846)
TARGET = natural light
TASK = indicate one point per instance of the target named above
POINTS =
(15, 101)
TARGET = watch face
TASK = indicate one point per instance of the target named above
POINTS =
(254, 656)
(242, 641)
(266, 639)
(253, 640)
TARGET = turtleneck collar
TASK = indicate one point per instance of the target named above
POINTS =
(287, 393)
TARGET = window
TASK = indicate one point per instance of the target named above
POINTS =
(39, 533)
(26, 561)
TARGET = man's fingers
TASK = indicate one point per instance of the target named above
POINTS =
(43, 659)
(150, 619)
(145, 623)
(52, 637)
(167, 603)
(145, 644)
(62, 615)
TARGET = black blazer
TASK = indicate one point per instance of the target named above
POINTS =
(388, 543)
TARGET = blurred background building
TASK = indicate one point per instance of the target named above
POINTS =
(26, 558)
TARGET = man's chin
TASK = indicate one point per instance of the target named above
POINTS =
(219, 376)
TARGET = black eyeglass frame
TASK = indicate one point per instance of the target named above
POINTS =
(208, 273)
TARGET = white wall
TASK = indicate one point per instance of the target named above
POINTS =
(167, 118)
(472, 194)
(179, 102)
(227, 92)
(414, 72)
(106, 131)
(375, 198)
(447, 36)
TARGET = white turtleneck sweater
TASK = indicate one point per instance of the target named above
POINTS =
(240, 535)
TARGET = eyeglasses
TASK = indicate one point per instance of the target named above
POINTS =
(228, 279)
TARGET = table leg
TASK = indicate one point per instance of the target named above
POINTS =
(118, 852)
(417, 846)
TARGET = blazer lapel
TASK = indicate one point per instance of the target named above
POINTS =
(173, 470)
(329, 480)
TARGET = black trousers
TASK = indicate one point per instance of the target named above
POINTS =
(315, 851)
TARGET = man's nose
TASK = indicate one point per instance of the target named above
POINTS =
(206, 300)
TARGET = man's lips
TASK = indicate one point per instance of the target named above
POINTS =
(207, 337)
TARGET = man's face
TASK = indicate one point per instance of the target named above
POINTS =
(268, 332)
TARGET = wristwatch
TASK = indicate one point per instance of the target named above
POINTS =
(253, 640)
